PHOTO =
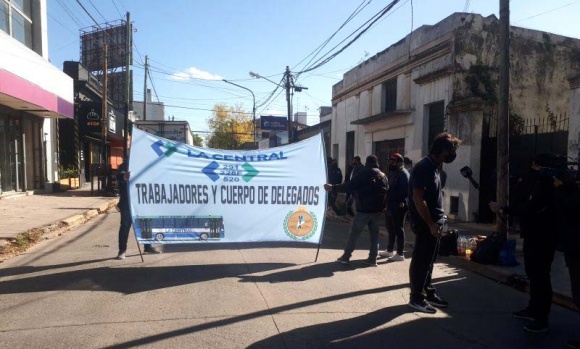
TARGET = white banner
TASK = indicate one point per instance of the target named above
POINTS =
(183, 194)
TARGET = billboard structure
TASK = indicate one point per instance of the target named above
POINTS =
(118, 38)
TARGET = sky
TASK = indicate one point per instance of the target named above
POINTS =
(192, 45)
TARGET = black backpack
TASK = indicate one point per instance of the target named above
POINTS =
(380, 186)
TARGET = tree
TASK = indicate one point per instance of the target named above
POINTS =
(197, 140)
(230, 127)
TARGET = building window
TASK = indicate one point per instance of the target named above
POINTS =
(4, 16)
(391, 95)
(454, 205)
(15, 19)
(436, 120)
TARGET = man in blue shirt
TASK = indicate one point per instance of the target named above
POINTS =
(427, 216)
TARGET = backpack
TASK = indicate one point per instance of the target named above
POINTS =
(380, 187)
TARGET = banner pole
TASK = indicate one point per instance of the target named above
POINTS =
(321, 134)
(138, 247)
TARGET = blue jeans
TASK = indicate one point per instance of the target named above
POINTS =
(359, 222)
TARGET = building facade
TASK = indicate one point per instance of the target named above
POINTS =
(444, 77)
(33, 95)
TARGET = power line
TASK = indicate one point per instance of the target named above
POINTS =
(99, 12)
(114, 4)
(88, 13)
(329, 58)
(319, 48)
(543, 13)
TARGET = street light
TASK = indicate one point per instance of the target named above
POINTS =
(253, 108)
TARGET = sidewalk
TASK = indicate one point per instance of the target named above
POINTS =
(513, 276)
(49, 212)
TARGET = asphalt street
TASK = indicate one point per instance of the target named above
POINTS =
(70, 292)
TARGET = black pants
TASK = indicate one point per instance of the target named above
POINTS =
(394, 222)
(124, 227)
(424, 254)
(538, 258)
(573, 264)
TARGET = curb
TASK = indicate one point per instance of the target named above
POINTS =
(514, 280)
(55, 229)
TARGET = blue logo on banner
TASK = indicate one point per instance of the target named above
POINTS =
(209, 171)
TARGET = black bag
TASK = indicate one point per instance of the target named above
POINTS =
(487, 252)
(448, 244)
(380, 186)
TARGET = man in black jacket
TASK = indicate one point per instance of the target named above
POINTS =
(534, 203)
(370, 186)
(427, 216)
(397, 204)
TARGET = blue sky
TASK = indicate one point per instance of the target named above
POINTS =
(193, 44)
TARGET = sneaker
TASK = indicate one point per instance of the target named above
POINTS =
(573, 344)
(343, 259)
(523, 314)
(536, 327)
(152, 250)
(121, 255)
(436, 301)
(397, 258)
(423, 307)
(371, 262)
(386, 254)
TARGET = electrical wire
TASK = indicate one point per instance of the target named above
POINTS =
(96, 9)
(114, 4)
(321, 46)
(372, 21)
(545, 12)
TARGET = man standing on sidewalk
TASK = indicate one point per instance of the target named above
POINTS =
(534, 202)
(123, 175)
(397, 205)
(370, 186)
(427, 216)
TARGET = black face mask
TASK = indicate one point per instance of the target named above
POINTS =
(449, 158)
(393, 167)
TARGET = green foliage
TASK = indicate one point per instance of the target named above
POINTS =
(197, 140)
(551, 117)
(230, 127)
(68, 171)
(517, 124)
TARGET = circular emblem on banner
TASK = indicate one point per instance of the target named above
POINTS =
(300, 224)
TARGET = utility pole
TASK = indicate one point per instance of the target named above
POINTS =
(503, 113)
(145, 90)
(128, 45)
(288, 102)
(104, 112)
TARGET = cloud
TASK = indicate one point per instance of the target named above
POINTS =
(194, 73)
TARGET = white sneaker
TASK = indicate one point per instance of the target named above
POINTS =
(396, 258)
(386, 254)
(121, 255)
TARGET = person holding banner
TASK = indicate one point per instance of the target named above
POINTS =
(370, 186)
(123, 174)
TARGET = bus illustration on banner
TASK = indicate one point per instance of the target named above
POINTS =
(175, 229)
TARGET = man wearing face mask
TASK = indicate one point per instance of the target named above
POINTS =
(534, 203)
(397, 204)
(427, 216)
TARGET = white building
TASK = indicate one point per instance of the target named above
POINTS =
(33, 93)
(444, 77)
(154, 110)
